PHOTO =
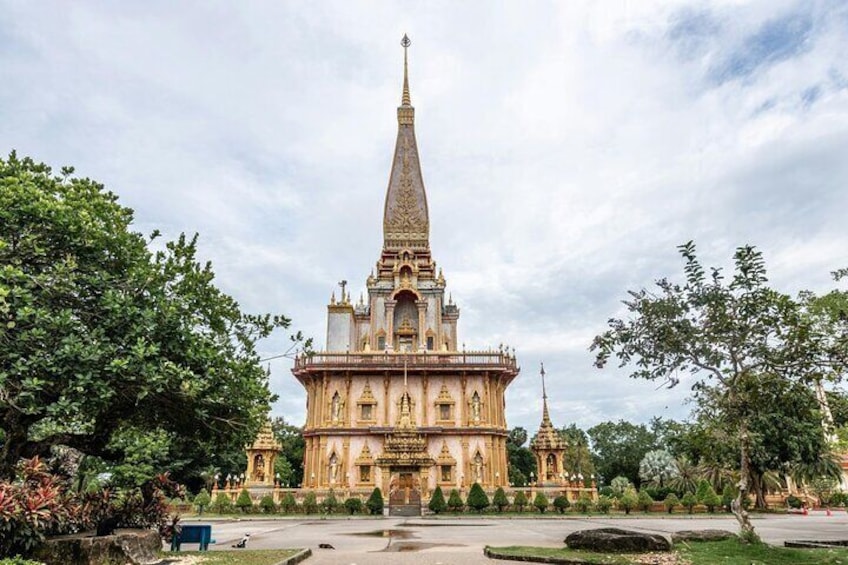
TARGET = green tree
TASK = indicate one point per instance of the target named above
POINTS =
(353, 506)
(310, 503)
(658, 468)
(521, 460)
(727, 335)
(628, 500)
(689, 500)
(541, 502)
(290, 465)
(618, 447)
(520, 501)
(375, 502)
(87, 306)
(561, 503)
(266, 503)
(644, 501)
(499, 500)
(222, 504)
(437, 503)
(578, 458)
(604, 504)
(330, 503)
(244, 502)
(670, 502)
(202, 500)
(477, 498)
(455, 501)
(288, 504)
(619, 485)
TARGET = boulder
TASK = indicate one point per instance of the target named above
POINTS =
(614, 540)
(135, 547)
(701, 535)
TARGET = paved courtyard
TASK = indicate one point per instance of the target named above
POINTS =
(460, 541)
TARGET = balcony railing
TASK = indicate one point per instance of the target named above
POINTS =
(389, 360)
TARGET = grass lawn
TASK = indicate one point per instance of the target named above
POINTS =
(729, 552)
(247, 557)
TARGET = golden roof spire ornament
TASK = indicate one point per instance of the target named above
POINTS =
(405, 100)
(406, 222)
(546, 417)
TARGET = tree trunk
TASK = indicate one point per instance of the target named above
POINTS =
(746, 528)
(759, 490)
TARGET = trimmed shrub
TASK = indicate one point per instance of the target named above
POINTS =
(583, 504)
(628, 500)
(707, 496)
(520, 501)
(689, 501)
(670, 502)
(455, 501)
(266, 503)
(18, 560)
(244, 502)
(375, 502)
(541, 502)
(604, 504)
(437, 503)
(222, 504)
(645, 501)
(499, 500)
(310, 503)
(353, 506)
(477, 498)
(561, 503)
(330, 503)
(288, 504)
(202, 501)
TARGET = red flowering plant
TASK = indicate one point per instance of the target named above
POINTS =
(32, 507)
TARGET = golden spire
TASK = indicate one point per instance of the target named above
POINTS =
(405, 101)
(546, 417)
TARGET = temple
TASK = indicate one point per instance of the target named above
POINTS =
(393, 402)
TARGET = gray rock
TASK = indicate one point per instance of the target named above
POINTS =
(614, 540)
(701, 535)
(135, 547)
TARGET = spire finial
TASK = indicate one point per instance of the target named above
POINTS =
(546, 418)
(405, 100)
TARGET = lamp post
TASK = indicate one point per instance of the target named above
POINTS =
(497, 478)
(313, 480)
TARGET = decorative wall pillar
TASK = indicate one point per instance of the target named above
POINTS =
(422, 323)
(390, 324)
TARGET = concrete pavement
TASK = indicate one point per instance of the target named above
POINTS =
(413, 541)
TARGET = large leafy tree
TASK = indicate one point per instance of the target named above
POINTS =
(101, 334)
(522, 462)
(618, 448)
(291, 460)
(578, 459)
(726, 335)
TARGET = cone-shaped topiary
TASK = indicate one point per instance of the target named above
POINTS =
(689, 501)
(353, 505)
(561, 503)
(541, 502)
(437, 503)
(310, 503)
(330, 503)
(202, 500)
(520, 501)
(222, 504)
(645, 501)
(288, 504)
(267, 504)
(500, 501)
(243, 502)
(670, 502)
(455, 501)
(477, 498)
(375, 502)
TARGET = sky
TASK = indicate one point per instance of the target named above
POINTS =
(567, 148)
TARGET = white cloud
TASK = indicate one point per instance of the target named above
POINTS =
(567, 149)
